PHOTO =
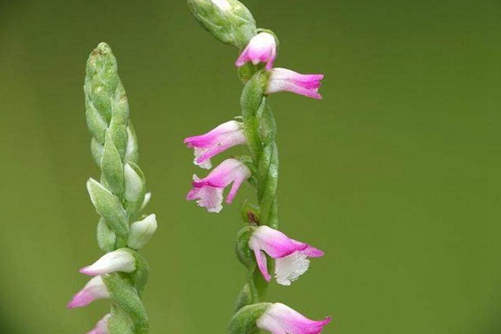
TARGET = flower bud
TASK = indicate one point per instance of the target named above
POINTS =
(93, 290)
(228, 20)
(142, 231)
(134, 183)
(119, 260)
(280, 318)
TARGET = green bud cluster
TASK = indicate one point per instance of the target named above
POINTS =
(227, 20)
(120, 194)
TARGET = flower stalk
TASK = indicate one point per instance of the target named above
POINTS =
(118, 197)
(260, 237)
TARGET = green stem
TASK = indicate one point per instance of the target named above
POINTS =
(260, 131)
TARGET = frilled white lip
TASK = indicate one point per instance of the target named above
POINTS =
(209, 191)
(291, 255)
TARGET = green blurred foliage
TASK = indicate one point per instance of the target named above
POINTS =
(395, 174)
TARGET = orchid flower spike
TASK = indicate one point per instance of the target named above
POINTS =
(262, 48)
(282, 79)
(221, 138)
(280, 319)
(93, 290)
(101, 326)
(209, 190)
(119, 260)
(291, 255)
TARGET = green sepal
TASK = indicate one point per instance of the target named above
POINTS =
(127, 299)
(118, 124)
(244, 298)
(233, 26)
(112, 168)
(97, 150)
(109, 207)
(95, 122)
(246, 71)
(266, 191)
(244, 253)
(252, 101)
(141, 274)
(106, 238)
(119, 322)
(244, 321)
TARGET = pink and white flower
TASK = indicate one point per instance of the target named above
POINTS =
(119, 260)
(282, 79)
(101, 326)
(209, 190)
(262, 48)
(221, 138)
(291, 255)
(281, 319)
(95, 289)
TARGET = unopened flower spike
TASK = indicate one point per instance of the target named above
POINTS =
(221, 138)
(118, 197)
(101, 326)
(281, 319)
(209, 191)
(282, 79)
(291, 255)
(93, 290)
(119, 260)
(262, 48)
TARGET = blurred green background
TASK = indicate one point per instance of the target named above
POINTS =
(395, 174)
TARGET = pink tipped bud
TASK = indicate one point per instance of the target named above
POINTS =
(119, 260)
(282, 79)
(220, 139)
(101, 326)
(262, 48)
(209, 190)
(280, 319)
(291, 255)
(93, 290)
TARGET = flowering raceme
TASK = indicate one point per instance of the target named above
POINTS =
(282, 79)
(262, 48)
(291, 255)
(281, 319)
(209, 190)
(221, 138)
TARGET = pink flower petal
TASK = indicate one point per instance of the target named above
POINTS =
(93, 290)
(281, 319)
